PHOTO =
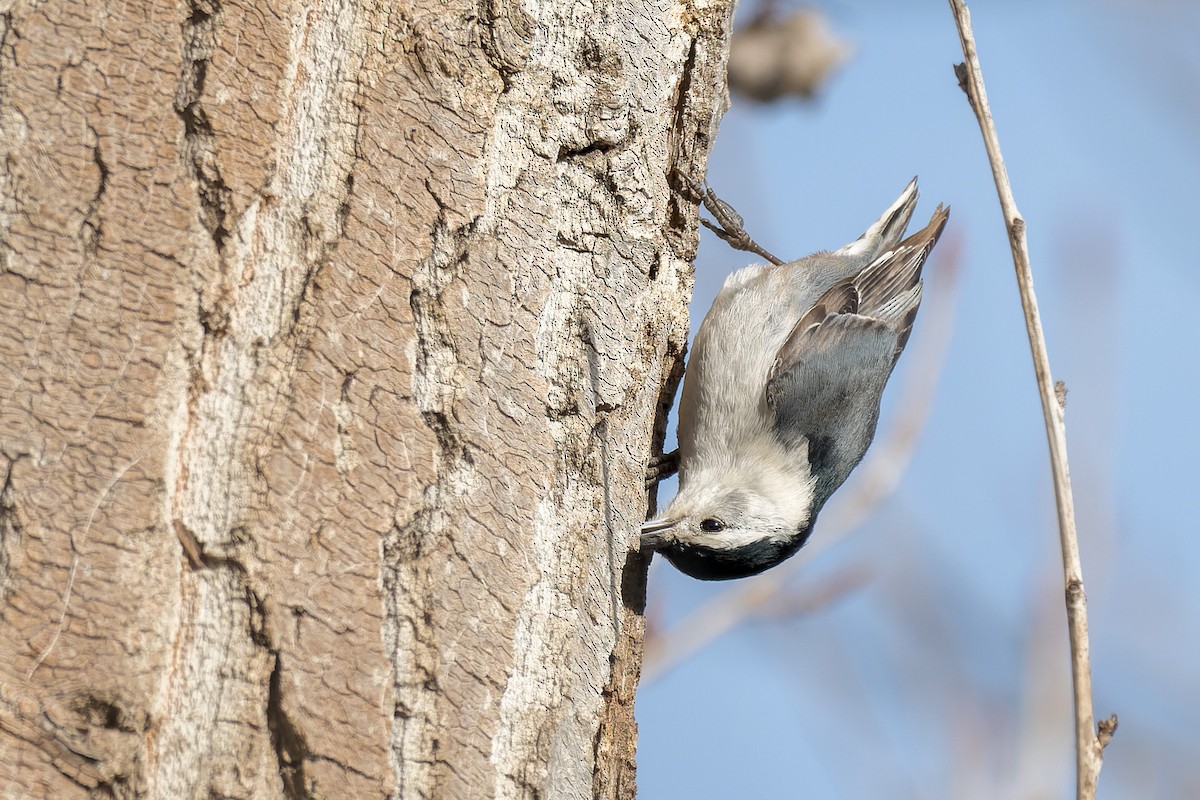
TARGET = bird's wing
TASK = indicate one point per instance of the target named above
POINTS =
(825, 390)
(828, 377)
(887, 230)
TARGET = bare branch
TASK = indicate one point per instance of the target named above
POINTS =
(1089, 748)
(817, 594)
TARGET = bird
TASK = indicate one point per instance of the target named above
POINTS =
(782, 390)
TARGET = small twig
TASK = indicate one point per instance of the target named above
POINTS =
(875, 479)
(1107, 727)
(1089, 746)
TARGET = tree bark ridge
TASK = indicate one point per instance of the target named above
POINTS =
(337, 340)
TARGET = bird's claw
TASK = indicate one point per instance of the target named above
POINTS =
(661, 467)
(729, 225)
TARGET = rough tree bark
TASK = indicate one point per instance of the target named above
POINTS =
(333, 346)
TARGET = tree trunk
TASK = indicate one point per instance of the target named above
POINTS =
(335, 338)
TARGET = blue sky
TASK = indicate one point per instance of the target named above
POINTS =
(945, 675)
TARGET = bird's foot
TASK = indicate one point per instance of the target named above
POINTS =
(729, 225)
(661, 467)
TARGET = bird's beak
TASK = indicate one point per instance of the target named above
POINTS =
(657, 533)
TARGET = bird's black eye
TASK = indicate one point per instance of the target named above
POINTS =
(712, 525)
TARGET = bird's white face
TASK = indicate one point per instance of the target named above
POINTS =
(724, 526)
(717, 516)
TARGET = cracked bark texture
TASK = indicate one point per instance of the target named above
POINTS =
(335, 339)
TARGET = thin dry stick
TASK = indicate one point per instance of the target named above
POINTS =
(877, 478)
(1089, 747)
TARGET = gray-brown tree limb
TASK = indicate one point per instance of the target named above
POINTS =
(1090, 741)
(334, 341)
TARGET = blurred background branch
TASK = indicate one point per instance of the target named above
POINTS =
(781, 54)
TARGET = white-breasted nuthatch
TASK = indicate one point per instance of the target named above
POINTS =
(781, 395)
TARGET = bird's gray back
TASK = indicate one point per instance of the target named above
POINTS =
(735, 349)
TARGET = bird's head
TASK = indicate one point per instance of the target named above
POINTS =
(725, 526)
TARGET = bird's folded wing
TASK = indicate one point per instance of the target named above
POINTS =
(825, 388)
